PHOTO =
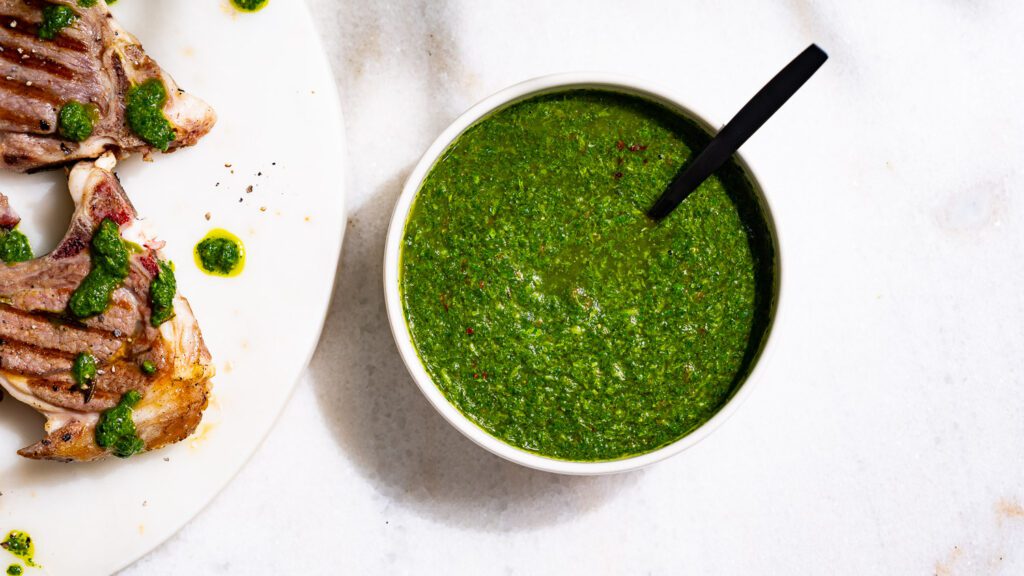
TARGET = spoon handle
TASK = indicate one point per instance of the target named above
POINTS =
(747, 121)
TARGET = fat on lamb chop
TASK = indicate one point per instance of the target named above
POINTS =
(89, 67)
(167, 367)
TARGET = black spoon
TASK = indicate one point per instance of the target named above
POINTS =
(747, 121)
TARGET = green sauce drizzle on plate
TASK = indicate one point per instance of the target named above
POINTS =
(20, 544)
(249, 5)
(220, 253)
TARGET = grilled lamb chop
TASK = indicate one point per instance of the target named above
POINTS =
(40, 339)
(91, 64)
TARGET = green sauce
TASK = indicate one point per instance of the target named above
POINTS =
(109, 269)
(14, 247)
(83, 372)
(76, 120)
(116, 429)
(15, 570)
(550, 310)
(20, 544)
(161, 295)
(55, 18)
(144, 108)
(249, 5)
(220, 253)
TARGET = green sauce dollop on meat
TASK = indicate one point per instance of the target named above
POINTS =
(116, 429)
(83, 372)
(161, 295)
(14, 247)
(144, 108)
(109, 269)
(55, 18)
(76, 120)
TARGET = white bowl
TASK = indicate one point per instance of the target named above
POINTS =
(392, 261)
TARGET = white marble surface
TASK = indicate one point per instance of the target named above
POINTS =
(888, 437)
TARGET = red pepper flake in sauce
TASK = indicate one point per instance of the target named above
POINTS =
(469, 331)
(620, 145)
(618, 175)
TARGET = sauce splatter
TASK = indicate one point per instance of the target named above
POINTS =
(249, 5)
(20, 544)
(220, 253)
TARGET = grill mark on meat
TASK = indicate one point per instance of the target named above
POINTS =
(35, 92)
(12, 118)
(15, 159)
(30, 29)
(28, 360)
(58, 391)
(96, 61)
(35, 61)
(115, 380)
(37, 348)
(35, 330)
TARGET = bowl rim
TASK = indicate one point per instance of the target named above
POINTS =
(392, 259)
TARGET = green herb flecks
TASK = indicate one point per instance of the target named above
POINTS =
(109, 269)
(20, 544)
(148, 368)
(15, 570)
(116, 429)
(161, 295)
(144, 108)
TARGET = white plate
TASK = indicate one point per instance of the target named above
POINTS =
(266, 76)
